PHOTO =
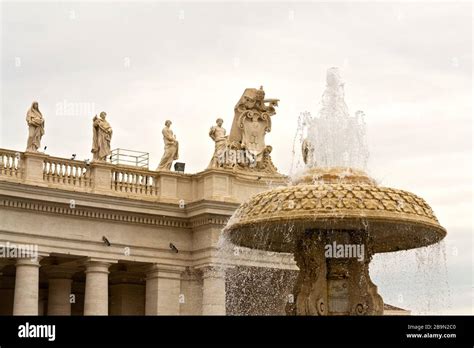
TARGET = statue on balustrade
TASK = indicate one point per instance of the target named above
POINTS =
(35, 122)
(245, 148)
(171, 148)
(307, 150)
(217, 133)
(102, 135)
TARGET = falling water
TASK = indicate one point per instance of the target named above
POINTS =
(333, 138)
(252, 289)
(416, 279)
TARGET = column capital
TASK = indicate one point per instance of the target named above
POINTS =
(58, 271)
(28, 262)
(93, 266)
(191, 273)
(213, 271)
(125, 277)
(164, 271)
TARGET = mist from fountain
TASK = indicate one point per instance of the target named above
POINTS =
(333, 138)
(330, 199)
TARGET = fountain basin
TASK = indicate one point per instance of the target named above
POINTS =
(335, 199)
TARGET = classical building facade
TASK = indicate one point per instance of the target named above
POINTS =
(95, 238)
(117, 239)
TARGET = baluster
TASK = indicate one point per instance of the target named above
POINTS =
(78, 175)
(122, 180)
(17, 165)
(3, 164)
(136, 183)
(86, 175)
(50, 171)
(63, 173)
(67, 173)
(11, 158)
(129, 182)
(139, 183)
(56, 172)
(113, 184)
(147, 179)
(73, 174)
(9, 167)
(45, 171)
(70, 171)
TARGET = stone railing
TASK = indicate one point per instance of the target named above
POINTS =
(134, 181)
(41, 170)
(10, 164)
(65, 172)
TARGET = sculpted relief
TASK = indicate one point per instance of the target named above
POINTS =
(245, 147)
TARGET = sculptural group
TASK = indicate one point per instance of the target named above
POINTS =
(243, 149)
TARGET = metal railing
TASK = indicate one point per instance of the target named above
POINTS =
(130, 158)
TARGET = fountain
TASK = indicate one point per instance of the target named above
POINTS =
(333, 217)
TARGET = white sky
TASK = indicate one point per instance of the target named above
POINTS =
(407, 66)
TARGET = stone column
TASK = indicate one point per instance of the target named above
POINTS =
(163, 290)
(191, 293)
(59, 291)
(213, 291)
(127, 293)
(25, 300)
(96, 299)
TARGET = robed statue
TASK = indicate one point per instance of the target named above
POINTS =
(35, 122)
(217, 133)
(102, 135)
(171, 148)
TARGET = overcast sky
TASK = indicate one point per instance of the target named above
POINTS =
(407, 66)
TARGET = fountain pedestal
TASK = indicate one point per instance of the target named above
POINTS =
(334, 275)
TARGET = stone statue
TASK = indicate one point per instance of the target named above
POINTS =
(35, 122)
(102, 135)
(307, 150)
(171, 148)
(251, 122)
(217, 133)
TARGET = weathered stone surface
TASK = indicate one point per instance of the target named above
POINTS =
(171, 148)
(397, 219)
